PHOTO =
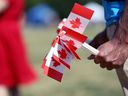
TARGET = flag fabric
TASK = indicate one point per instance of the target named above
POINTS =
(73, 38)
(70, 38)
(76, 22)
(62, 54)
(56, 60)
(53, 69)
(78, 18)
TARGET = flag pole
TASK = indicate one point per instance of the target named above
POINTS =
(90, 48)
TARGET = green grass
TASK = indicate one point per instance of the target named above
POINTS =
(84, 79)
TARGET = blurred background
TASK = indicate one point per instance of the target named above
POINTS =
(85, 78)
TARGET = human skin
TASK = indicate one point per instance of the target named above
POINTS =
(113, 53)
(3, 5)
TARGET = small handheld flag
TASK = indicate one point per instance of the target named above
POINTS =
(70, 38)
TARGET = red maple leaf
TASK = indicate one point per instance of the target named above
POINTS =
(63, 54)
(70, 42)
(75, 23)
(55, 63)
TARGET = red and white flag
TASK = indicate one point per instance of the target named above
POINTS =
(69, 38)
(78, 18)
(73, 38)
(53, 69)
(56, 60)
(75, 25)
(62, 54)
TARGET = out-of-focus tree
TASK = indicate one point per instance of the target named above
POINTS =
(31, 3)
(63, 7)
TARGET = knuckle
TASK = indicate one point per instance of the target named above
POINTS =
(117, 63)
(102, 66)
(101, 54)
(109, 68)
(96, 61)
(107, 59)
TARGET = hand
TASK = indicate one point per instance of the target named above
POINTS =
(97, 41)
(113, 53)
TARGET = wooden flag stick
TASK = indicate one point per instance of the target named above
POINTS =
(90, 48)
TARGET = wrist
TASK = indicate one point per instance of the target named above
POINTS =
(120, 38)
(121, 33)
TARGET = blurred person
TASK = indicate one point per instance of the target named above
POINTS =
(112, 43)
(14, 66)
(3, 91)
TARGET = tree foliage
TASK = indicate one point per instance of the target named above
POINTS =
(63, 7)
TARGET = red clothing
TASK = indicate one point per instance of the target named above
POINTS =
(14, 67)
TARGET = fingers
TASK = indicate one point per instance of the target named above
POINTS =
(112, 55)
(109, 66)
(103, 63)
(91, 57)
(106, 61)
(98, 59)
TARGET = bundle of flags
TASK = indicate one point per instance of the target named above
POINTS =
(69, 38)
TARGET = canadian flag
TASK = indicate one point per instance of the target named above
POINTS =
(73, 38)
(75, 25)
(62, 54)
(78, 18)
(68, 40)
(53, 69)
(56, 60)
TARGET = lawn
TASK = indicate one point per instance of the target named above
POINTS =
(84, 79)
